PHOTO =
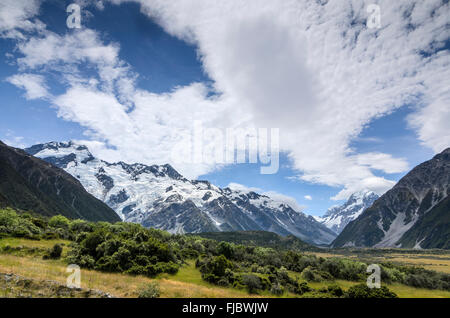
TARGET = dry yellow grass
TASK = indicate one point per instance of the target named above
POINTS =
(436, 262)
(187, 282)
(119, 285)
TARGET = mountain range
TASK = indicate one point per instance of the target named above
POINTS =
(415, 213)
(158, 196)
(28, 183)
(65, 178)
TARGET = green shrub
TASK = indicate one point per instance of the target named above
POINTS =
(252, 282)
(78, 226)
(277, 289)
(216, 265)
(314, 275)
(55, 252)
(226, 249)
(335, 290)
(59, 221)
(302, 288)
(151, 290)
(50, 235)
(363, 291)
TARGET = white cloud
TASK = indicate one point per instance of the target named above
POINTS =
(33, 84)
(376, 184)
(66, 53)
(432, 124)
(240, 187)
(314, 70)
(292, 202)
(15, 18)
(383, 162)
(318, 72)
(308, 197)
(13, 140)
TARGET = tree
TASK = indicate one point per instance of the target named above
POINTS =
(59, 221)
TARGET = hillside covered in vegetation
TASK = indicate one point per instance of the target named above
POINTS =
(134, 250)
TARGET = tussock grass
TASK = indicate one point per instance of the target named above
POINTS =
(118, 285)
(187, 282)
(435, 262)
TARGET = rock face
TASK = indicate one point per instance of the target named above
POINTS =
(415, 213)
(29, 183)
(22, 287)
(159, 197)
(338, 217)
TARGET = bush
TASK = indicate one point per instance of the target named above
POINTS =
(152, 290)
(362, 291)
(54, 253)
(78, 226)
(59, 221)
(252, 282)
(226, 249)
(314, 275)
(13, 224)
(277, 289)
(335, 290)
(302, 288)
(216, 265)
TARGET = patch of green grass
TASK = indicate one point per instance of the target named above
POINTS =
(402, 291)
(188, 274)
(410, 292)
(15, 242)
(186, 283)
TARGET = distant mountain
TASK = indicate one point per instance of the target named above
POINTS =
(159, 197)
(337, 217)
(415, 213)
(261, 238)
(29, 183)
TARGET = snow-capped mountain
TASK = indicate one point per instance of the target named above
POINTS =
(337, 217)
(31, 184)
(413, 214)
(159, 197)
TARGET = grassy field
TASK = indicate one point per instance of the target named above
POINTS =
(401, 290)
(186, 283)
(435, 262)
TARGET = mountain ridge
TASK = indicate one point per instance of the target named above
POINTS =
(337, 217)
(395, 219)
(158, 196)
(29, 183)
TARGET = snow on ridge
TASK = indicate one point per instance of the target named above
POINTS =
(138, 191)
(337, 217)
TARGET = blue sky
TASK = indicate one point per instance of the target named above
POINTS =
(352, 115)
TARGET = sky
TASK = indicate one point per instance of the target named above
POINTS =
(355, 96)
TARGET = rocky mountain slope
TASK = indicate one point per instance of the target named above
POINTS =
(337, 217)
(28, 183)
(159, 197)
(414, 213)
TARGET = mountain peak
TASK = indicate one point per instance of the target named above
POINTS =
(445, 155)
(362, 194)
(410, 215)
(55, 145)
(29, 183)
(337, 217)
(158, 196)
